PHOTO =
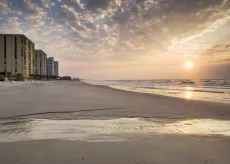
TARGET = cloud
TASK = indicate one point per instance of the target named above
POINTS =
(10, 25)
(218, 50)
(66, 16)
(225, 2)
(216, 54)
(47, 4)
(27, 7)
(75, 3)
(4, 7)
(99, 4)
(215, 25)
(121, 30)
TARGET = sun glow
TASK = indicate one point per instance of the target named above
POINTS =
(189, 65)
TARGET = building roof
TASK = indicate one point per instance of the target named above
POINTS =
(40, 50)
(18, 35)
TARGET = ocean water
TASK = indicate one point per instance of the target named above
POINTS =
(206, 90)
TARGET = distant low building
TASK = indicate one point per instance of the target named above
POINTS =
(76, 79)
(50, 66)
(65, 78)
(56, 68)
(40, 63)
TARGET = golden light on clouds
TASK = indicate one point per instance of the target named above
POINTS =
(181, 38)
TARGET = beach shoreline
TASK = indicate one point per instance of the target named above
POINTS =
(88, 96)
(211, 90)
(155, 94)
(71, 122)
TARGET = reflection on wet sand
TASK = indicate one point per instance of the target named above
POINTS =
(106, 130)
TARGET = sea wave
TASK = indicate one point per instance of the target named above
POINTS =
(185, 89)
(207, 90)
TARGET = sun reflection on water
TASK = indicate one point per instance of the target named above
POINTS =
(188, 95)
(188, 88)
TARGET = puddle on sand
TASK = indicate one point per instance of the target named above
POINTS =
(106, 130)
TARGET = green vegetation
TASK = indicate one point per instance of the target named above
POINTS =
(8, 74)
(19, 75)
(2, 73)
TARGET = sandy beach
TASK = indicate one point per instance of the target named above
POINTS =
(63, 122)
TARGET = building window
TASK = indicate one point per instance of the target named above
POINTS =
(15, 42)
(4, 47)
(21, 52)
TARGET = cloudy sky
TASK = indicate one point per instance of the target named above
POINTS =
(126, 39)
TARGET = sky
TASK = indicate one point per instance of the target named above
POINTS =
(126, 39)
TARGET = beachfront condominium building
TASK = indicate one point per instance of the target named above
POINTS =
(56, 71)
(16, 55)
(50, 66)
(40, 63)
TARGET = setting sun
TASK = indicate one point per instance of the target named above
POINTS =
(189, 65)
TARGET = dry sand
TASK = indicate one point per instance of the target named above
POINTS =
(61, 100)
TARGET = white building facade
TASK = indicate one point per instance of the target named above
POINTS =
(56, 68)
(16, 55)
(40, 64)
(50, 66)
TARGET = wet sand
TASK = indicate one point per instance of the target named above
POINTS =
(142, 144)
(158, 150)
(103, 101)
